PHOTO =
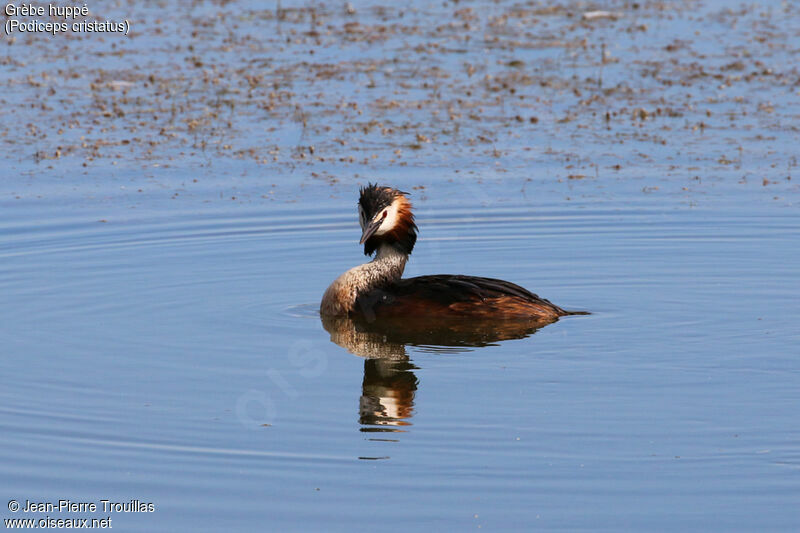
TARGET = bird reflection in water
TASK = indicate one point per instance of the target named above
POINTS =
(389, 386)
(387, 395)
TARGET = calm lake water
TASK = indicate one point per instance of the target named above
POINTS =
(144, 358)
(169, 222)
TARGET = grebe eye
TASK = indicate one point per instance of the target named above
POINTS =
(383, 215)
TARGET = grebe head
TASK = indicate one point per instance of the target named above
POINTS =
(386, 218)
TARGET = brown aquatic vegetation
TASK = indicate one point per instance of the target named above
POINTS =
(388, 85)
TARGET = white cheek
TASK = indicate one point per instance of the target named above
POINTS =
(390, 221)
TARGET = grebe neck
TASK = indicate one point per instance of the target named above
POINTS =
(387, 267)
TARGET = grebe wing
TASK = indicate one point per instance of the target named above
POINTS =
(460, 288)
(455, 295)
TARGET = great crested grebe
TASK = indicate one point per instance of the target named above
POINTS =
(376, 290)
